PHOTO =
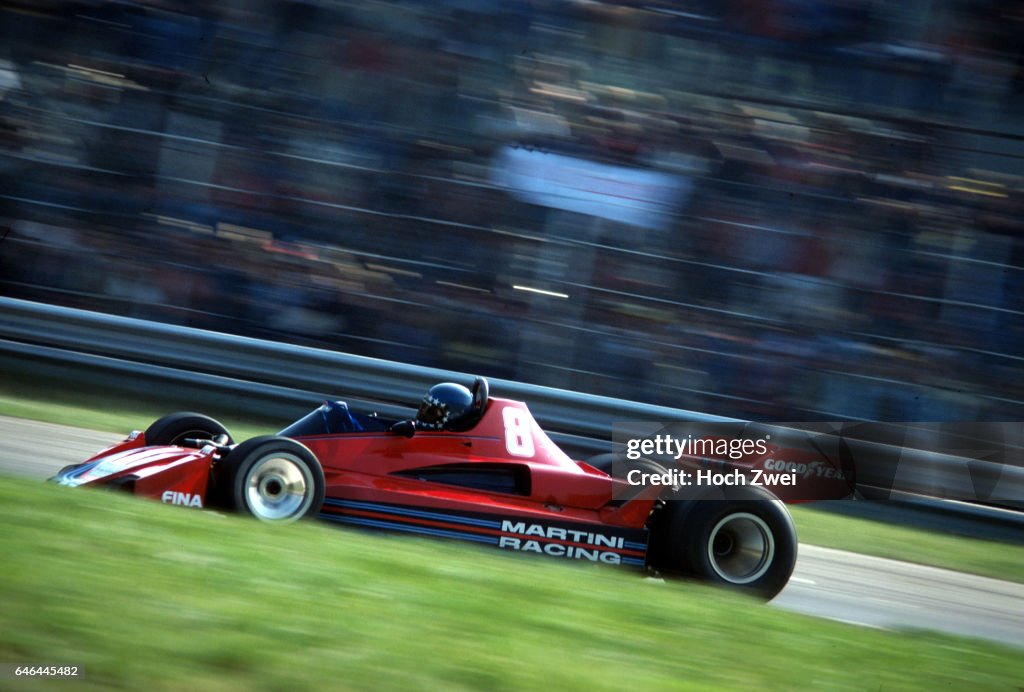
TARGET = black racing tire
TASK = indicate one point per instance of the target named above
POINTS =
(602, 462)
(274, 479)
(175, 428)
(741, 537)
(617, 465)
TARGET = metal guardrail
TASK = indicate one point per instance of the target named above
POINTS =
(275, 377)
(196, 355)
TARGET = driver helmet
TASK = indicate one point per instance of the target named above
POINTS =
(445, 407)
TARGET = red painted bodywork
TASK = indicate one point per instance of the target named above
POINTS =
(502, 483)
(154, 471)
(361, 467)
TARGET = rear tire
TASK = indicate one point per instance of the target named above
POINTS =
(175, 428)
(618, 466)
(274, 479)
(741, 537)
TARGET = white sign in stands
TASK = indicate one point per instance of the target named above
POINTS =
(637, 196)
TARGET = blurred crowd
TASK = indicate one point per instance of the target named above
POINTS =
(786, 210)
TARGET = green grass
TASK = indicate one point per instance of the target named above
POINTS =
(119, 416)
(146, 596)
(29, 397)
(55, 401)
(970, 555)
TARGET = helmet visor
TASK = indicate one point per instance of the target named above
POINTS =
(432, 415)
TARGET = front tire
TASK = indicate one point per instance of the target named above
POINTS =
(274, 479)
(175, 428)
(741, 537)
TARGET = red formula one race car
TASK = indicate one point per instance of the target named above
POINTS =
(468, 467)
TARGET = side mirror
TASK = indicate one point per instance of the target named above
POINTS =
(405, 428)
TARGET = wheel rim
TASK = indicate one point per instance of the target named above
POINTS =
(741, 548)
(277, 487)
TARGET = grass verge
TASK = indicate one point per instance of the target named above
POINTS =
(970, 555)
(54, 401)
(145, 596)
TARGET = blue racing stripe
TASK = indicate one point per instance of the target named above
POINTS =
(418, 513)
(396, 526)
(426, 531)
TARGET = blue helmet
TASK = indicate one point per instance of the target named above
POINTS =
(446, 406)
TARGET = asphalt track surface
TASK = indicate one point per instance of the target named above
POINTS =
(834, 584)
